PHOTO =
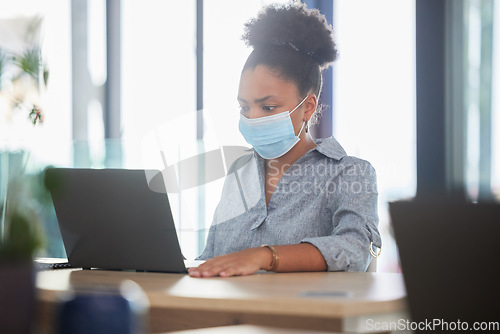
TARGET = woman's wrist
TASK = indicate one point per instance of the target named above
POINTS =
(266, 258)
(274, 262)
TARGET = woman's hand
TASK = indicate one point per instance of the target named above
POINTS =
(245, 262)
(292, 258)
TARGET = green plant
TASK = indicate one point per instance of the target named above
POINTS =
(21, 234)
(3, 64)
(21, 77)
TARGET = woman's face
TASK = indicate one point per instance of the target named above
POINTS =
(262, 93)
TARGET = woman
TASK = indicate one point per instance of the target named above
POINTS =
(294, 204)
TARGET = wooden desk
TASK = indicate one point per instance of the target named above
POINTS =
(319, 301)
(248, 329)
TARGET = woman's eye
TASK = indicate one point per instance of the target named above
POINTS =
(243, 109)
(268, 108)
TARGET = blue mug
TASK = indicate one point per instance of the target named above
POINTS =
(104, 311)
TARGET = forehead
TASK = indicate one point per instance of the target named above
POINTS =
(261, 81)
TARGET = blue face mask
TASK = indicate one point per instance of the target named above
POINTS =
(271, 136)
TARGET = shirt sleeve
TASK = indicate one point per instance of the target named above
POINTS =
(354, 220)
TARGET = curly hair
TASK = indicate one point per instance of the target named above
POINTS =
(294, 41)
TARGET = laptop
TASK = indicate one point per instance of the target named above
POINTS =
(449, 253)
(115, 219)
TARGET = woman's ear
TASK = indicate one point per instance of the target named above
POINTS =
(310, 106)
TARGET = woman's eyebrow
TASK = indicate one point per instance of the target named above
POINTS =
(262, 99)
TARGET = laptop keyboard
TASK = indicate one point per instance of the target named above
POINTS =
(51, 264)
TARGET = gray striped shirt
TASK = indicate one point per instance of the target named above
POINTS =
(326, 198)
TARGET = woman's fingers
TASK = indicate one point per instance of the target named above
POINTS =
(241, 263)
(210, 268)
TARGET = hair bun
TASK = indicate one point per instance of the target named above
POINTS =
(294, 26)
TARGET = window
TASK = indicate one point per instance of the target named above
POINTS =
(495, 148)
(49, 143)
(482, 77)
(374, 99)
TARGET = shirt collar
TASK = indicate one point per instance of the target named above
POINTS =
(330, 147)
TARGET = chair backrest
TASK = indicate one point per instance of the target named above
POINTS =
(449, 258)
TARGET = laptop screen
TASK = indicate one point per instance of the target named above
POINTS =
(115, 219)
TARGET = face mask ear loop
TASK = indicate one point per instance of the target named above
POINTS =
(302, 128)
(305, 98)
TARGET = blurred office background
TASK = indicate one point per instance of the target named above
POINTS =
(150, 83)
